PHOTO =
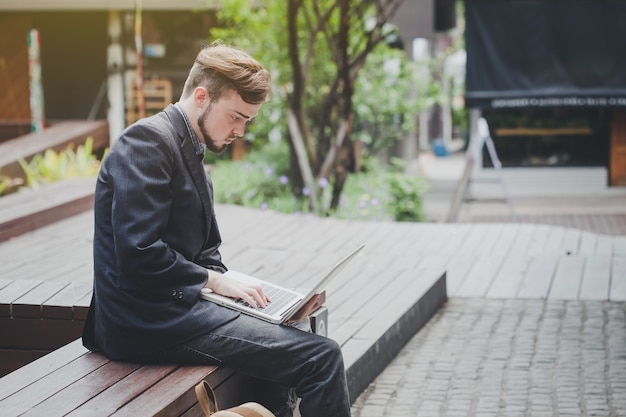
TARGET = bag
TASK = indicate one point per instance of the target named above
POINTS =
(206, 398)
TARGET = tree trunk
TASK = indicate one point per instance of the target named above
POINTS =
(303, 162)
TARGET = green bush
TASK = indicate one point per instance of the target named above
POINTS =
(406, 198)
(54, 166)
(383, 193)
(9, 185)
(261, 181)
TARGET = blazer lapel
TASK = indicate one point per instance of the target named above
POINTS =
(196, 168)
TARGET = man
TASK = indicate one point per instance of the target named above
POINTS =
(156, 245)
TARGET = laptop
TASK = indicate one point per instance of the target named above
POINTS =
(285, 302)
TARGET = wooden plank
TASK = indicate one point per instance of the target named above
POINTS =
(350, 235)
(375, 346)
(12, 292)
(367, 324)
(61, 305)
(524, 238)
(567, 278)
(30, 304)
(617, 291)
(596, 278)
(426, 238)
(473, 239)
(120, 391)
(170, 396)
(345, 306)
(75, 392)
(11, 411)
(509, 277)
(30, 201)
(56, 137)
(458, 268)
(290, 272)
(491, 235)
(238, 224)
(345, 298)
(26, 375)
(12, 359)
(385, 318)
(506, 239)
(604, 245)
(480, 277)
(538, 240)
(571, 241)
(65, 247)
(81, 308)
(39, 390)
(58, 244)
(87, 384)
(317, 236)
(290, 226)
(538, 278)
(5, 282)
(351, 303)
(39, 333)
(554, 244)
(587, 243)
(455, 235)
(257, 236)
(348, 318)
(44, 217)
(619, 245)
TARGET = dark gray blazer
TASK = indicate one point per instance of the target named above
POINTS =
(155, 235)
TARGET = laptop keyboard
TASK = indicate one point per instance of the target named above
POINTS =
(279, 298)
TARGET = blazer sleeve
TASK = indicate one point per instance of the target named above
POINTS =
(143, 171)
(211, 257)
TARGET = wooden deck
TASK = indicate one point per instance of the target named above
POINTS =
(481, 259)
(31, 209)
(407, 268)
(281, 248)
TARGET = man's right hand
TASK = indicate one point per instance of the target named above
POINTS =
(228, 287)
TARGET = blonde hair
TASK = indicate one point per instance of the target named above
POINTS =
(220, 68)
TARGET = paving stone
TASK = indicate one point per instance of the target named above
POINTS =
(509, 358)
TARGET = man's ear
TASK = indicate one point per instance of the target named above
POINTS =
(200, 96)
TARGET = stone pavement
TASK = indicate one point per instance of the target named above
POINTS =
(508, 358)
(512, 357)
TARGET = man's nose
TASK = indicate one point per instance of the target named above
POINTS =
(239, 131)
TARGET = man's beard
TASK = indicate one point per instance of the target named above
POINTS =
(208, 140)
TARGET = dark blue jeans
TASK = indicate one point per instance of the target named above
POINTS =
(295, 361)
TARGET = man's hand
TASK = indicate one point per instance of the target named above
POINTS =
(251, 294)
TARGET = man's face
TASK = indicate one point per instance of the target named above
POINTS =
(224, 121)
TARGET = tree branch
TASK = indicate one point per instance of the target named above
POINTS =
(303, 162)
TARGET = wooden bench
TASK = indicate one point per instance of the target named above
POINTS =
(48, 372)
(58, 136)
(29, 209)
(37, 317)
(72, 381)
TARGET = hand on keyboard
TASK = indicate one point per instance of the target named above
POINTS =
(251, 294)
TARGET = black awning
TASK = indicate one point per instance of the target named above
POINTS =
(545, 53)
